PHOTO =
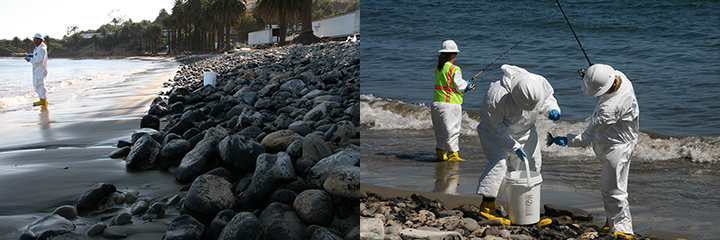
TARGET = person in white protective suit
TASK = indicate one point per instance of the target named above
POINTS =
(613, 132)
(39, 61)
(507, 130)
(446, 109)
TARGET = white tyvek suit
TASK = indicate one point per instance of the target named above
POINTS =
(506, 125)
(613, 132)
(447, 119)
(39, 62)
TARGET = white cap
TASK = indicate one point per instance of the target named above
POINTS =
(598, 79)
(37, 35)
(449, 46)
(528, 90)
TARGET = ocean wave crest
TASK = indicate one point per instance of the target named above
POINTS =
(389, 114)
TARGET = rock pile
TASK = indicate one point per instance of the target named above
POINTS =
(417, 217)
(270, 151)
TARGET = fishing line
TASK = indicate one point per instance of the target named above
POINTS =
(486, 67)
(573, 31)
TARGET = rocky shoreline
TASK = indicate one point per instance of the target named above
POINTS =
(417, 217)
(269, 152)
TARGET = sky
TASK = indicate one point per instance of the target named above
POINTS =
(24, 18)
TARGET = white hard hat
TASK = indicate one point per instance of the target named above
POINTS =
(37, 35)
(449, 46)
(598, 79)
(528, 90)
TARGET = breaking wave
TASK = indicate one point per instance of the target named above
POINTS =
(390, 114)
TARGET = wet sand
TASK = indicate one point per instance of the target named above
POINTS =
(398, 164)
(50, 156)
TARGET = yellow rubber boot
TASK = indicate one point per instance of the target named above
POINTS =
(40, 103)
(441, 155)
(453, 156)
(627, 236)
(544, 221)
(487, 210)
(606, 228)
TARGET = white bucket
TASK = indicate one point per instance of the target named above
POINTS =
(523, 201)
(209, 76)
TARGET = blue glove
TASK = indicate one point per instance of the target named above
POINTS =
(27, 59)
(470, 86)
(521, 154)
(554, 115)
(30, 55)
(560, 141)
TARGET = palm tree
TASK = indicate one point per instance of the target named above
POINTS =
(280, 10)
(306, 34)
(211, 24)
(176, 22)
(227, 13)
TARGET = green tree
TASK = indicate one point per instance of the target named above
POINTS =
(161, 16)
(153, 34)
(246, 25)
(17, 43)
(322, 9)
(28, 45)
(354, 6)
(281, 11)
(227, 13)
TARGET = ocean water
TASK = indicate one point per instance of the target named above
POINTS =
(66, 78)
(668, 49)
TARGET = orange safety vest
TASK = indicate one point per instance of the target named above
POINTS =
(445, 89)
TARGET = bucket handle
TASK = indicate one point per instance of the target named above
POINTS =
(527, 169)
(207, 70)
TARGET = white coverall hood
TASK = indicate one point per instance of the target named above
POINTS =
(528, 91)
(505, 126)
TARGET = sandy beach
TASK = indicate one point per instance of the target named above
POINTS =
(50, 156)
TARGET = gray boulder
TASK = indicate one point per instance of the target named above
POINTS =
(281, 222)
(244, 225)
(48, 226)
(181, 126)
(315, 148)
(272, 171)
(218, 224)
(318, 112)
(341, 132)
(324, 234)
(238, 152)
(143, 154)
(301, 127)
(320, 171)
(344, 181)
(250, 117)
(294, 85)
(66, 211)
(283, 121)
(146, 131)
(184, 227)
(173, 152)
(120, 152)
(208, 195)
(150, 121)
(315, 207)
(278, 141)
(197, 161)
(93, 197)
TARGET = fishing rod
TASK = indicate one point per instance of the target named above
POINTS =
(486, 67)
(573, 31)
